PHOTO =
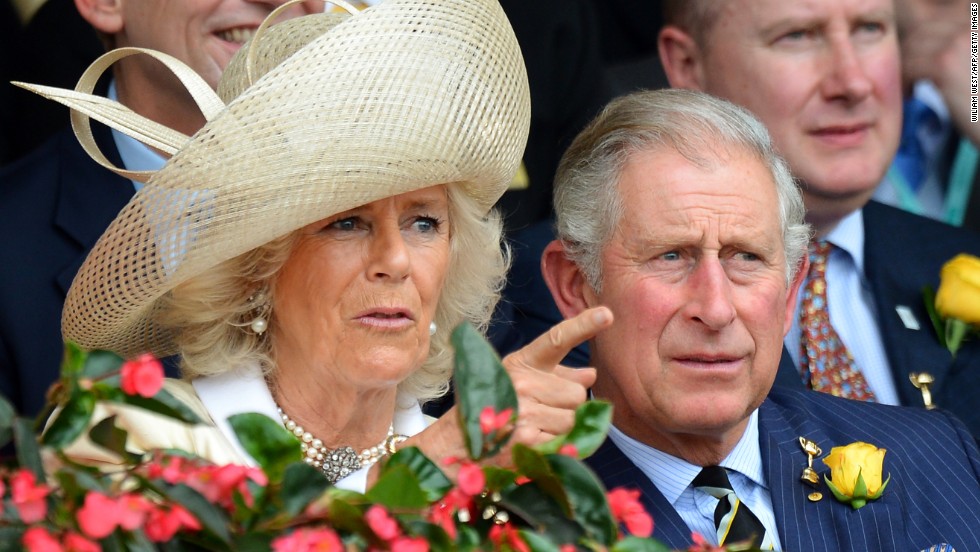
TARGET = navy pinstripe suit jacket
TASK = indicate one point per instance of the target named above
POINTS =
(933, 496)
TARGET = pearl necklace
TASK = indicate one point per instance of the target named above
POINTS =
(340, 462)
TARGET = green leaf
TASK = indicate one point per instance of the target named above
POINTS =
(535, 466)
(637, 544)
(100, 363)
(10, 539)
(432, 480)
(162, 403)
(270, 444)
(586, 496)
(836, 492)
(541, 512)
(346, 517)
(881, 489)
(71, 421)
(437, 538)
(398, 488)
(929, 297)
(73, 359)
(6, 421)
(254, 542)
(592, 421)
(481, 381)
(211, 516)
(860, 487)
(28, 453)
(539, 543)
(301, 484)
(956, 332)
(108, 436)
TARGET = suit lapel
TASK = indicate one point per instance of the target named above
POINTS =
(824, 525)
(89, 197)
(889, 274)
(616, 470)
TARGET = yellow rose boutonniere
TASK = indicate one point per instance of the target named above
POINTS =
(855, 473)
(955, 308)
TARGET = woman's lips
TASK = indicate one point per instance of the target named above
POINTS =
(387, 318)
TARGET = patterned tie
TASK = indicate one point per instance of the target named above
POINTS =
(734, 521)
(827, 365)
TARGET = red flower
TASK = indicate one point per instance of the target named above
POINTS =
(99, 516)
(76, 543)
(471, 479)
(443, 514)
(383, 525)
(626, 508)
(506, 537)
(219, 484)
(162, 523)
(37, 539)
(143, 376)
(702, 545)
(568, 449)
(309, 540)
(491, 420)
(28, 496)
(132, 509)
(409, 544)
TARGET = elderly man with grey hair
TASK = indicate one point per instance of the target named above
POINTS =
(674, 211)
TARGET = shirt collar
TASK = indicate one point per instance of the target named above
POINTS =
(135, 155)
(848, 236)
(672, 475)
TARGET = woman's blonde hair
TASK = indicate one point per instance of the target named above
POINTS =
(209, 314)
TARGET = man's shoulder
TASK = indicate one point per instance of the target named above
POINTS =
(885, 224)
(845, 420)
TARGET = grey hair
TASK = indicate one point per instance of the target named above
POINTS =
(587, 202)
(209, 313)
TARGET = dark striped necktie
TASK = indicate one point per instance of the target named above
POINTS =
(733, 519)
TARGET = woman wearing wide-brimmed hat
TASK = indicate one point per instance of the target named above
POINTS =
(308, 252)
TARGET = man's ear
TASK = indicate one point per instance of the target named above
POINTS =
(794, 292)
(681, 58)
(105, 15)
(569, 288)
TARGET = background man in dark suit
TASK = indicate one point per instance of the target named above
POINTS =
(56, 202)
(674, 211)
(824, 77)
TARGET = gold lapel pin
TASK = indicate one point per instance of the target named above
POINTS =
(809, 475)
(922, 381)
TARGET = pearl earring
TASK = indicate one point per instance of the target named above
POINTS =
(433, 328)
(259, 325)
(260, 308)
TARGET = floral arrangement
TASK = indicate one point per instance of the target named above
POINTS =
(955, 307)
(170, 500)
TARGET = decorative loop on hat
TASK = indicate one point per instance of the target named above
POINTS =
(85, 105)
(250, 54)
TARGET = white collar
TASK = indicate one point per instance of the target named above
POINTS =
(244, 390)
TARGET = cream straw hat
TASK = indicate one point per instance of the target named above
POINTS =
(401, 96)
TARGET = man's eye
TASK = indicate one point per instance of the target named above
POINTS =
(672, 256)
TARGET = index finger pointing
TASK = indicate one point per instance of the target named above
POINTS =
(550, 348)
